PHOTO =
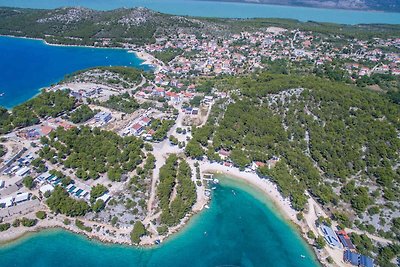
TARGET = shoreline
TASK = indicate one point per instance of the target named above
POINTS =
(145, 58)
(268, 190)
(142, 55)
(280, 205)
(148, 60)
(55, 221)
(41, 226)
(314, 8)
(255, 2)
(60, 45)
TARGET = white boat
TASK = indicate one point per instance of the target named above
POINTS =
(302, 256)
(206, 206)
(216, 181)
(1, 94)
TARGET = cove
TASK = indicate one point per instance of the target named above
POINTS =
(222, 10)
(27, 65)
(239, 229)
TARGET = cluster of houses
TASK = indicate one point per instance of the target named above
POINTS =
(35, 132)
(340, 240)
(19, 166)
(245, 51)
(137, 127)
(360, 70)
(151, 92)
(91, 93)
(10, 201)
(48, 182)
(225, 154)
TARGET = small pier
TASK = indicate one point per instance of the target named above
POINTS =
(208, 177)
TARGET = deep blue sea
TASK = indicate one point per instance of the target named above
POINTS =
(222, 9)
(28, 65)
(239, 229)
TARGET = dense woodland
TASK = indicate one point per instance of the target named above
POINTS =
(161, 128)
(176, 191)
(339, 142)
(60, 202)
(46, 104)
(91, 152)
(82, 114)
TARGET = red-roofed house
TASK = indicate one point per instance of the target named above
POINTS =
(137, 129)
(257, 164)
(159, 91)
(45, 129)
(145, 121)
(174, 97)
(65, 125)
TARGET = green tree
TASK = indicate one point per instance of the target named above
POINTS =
(41, 215)
(98, 205)
(320, 242)
(97, 191)
(28, 182)
(137, 232)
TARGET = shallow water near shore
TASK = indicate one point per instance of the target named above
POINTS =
(27, 65)
(239, 229)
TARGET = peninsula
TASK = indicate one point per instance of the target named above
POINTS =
(306, 112)
(375, 5)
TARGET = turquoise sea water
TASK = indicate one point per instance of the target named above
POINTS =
(239, 229)
(28, 65)
(222, 9)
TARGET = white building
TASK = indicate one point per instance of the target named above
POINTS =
(106, 197)
(46, 188)
(6, 202)
(22, 172)
(22, 197)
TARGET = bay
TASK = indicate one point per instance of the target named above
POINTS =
(241, 228)
(27, 65)
(222, 10)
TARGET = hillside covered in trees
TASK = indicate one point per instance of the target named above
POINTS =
(340, 143)
(46, 104)
(81, 26)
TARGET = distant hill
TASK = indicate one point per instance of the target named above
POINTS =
(138, 26)
(381, 5)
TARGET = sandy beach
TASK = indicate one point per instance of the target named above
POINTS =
(283, 207)
(269, 188)
(149, 60)
(110, 234)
